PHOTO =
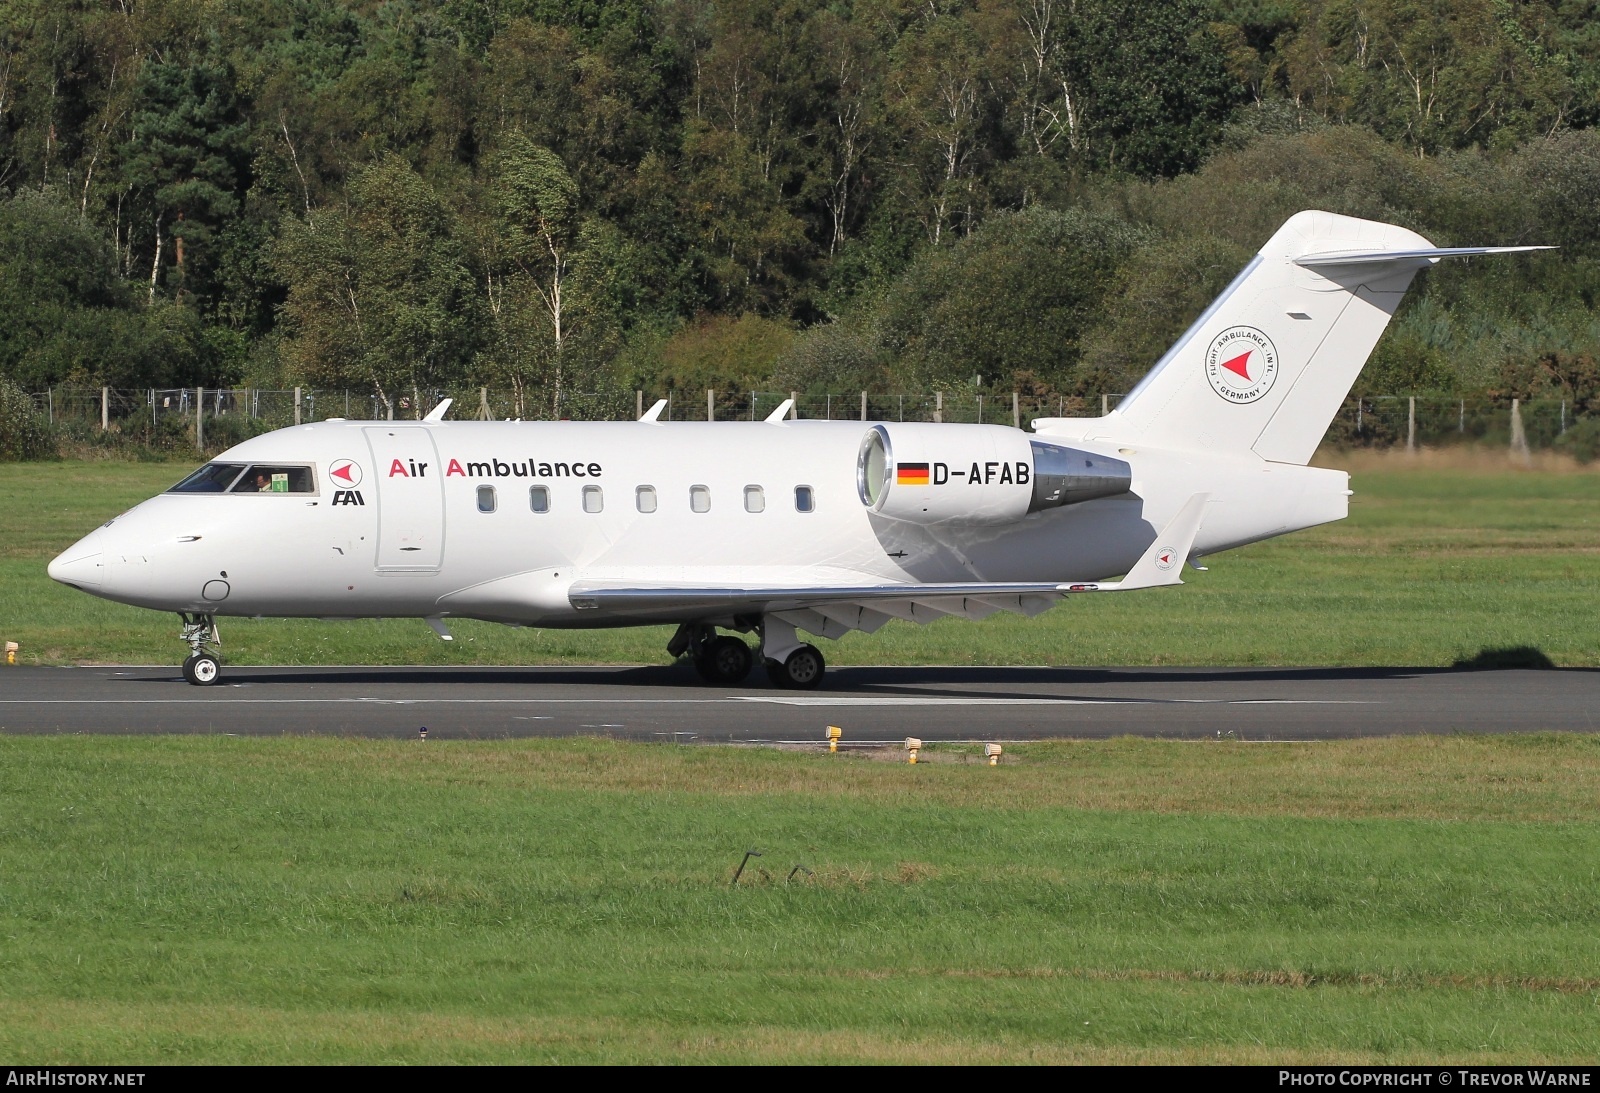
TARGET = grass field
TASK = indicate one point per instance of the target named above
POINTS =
(270, 900)
(1441, 558)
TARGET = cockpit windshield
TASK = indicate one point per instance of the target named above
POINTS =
(212, 478)
(248, 478)
(267, 478)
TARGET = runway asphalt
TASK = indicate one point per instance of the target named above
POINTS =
(869, 704)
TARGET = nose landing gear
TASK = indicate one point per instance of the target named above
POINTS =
(205, 649)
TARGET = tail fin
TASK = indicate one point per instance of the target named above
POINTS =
(1268, 365)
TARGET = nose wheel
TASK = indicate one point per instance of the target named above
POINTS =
(204, 665)
(202, 669)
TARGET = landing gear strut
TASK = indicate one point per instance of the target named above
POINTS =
(205, 649)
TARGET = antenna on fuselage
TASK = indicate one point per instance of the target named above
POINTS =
(437, 413)
(653, 414)
(781, 412)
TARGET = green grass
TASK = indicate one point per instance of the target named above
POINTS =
(1434, 565)
(270, 900)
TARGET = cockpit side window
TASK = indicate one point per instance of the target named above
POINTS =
(275, 478)
(212, 478)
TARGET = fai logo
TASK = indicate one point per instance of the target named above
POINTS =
(346, 473)
(1166, 558)
(1241, 364)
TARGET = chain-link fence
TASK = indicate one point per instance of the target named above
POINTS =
(132, 410)
(210, 417)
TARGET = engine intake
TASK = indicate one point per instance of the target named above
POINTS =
(976, 474)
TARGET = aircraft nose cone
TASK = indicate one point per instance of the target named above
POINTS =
(81, 565)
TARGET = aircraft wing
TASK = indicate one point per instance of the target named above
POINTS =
(833, 610)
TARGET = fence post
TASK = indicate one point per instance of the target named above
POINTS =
(938, 406)
(105, 409)
(1519, 436)
(1563, 416)
(297, 405)
(794, 409)
(711, 404)
(50, 404)
(863, 406)
(638, 405)
(980, 409)
(484, 413)
(1016, 412)
(1461, 421)
(1105, 404)
(1411, 424)
(200, 418)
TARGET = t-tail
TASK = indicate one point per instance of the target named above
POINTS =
(1269, 363)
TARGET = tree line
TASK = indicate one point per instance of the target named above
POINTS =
(549, 196)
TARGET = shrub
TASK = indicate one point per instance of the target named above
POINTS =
(24, 432)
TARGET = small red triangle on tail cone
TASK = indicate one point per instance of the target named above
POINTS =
(1237, 364)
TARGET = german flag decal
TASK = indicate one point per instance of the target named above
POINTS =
(911, 474)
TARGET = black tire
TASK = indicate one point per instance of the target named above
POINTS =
(803, 671)
(724, 661)
(202, 669)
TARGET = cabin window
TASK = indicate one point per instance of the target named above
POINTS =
(539, 498)
(755, 499)
(486, 499)
(212, 478)
(271, 478)
(804, 499)
(592, 499)
(645, 498)
(700, 498)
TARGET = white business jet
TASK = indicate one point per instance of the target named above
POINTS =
(774, 527)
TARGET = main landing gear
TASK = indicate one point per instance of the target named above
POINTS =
(724, 660)
(205, 649)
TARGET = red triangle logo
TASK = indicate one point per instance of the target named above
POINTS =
(1237, 364)
(341, 472)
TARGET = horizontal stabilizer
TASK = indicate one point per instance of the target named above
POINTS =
(1429, 254)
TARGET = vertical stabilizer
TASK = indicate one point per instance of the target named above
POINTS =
(1268, 365)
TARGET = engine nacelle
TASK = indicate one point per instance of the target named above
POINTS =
(976, 474)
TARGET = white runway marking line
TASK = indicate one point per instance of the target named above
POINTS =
(959, 700)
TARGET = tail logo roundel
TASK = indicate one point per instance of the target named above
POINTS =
(1242, 364)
